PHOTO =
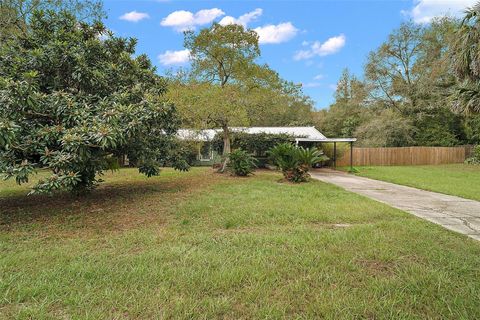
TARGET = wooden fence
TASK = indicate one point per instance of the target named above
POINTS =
(404, 156)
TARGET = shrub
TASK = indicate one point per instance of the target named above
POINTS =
(189, 150)
(241, 163)
(295, 162)
(475, 158)
(256, 143)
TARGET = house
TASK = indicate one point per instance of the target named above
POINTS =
(301, 135)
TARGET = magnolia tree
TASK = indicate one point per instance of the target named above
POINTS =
(73, 98)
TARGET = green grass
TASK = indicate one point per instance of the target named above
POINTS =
(455, 179)
(202, 245)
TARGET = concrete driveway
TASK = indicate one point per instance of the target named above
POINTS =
(454, 213)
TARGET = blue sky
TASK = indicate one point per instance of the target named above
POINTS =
(308, 42)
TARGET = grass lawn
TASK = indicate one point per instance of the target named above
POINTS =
(201, 245)
(456, 179)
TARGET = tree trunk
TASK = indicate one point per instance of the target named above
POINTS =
(226, 148)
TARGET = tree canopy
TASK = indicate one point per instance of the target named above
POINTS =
(15, 14)
(409, 82)
(222, 54)
(73, 99)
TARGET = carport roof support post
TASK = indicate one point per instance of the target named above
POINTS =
(335, 155)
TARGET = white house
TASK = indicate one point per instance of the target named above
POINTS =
(299, 134)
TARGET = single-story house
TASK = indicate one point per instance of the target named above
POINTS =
(301, 136)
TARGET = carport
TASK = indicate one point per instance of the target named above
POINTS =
(350, 141)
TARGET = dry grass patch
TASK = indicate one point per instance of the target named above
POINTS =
(117, 205)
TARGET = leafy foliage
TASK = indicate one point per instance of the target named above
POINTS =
(257, 144)
(388, 129)
(222, 54)
(72, 103)
(475, 158)
(406, 97)
(15, 14)
(241, 163)
(295, 162)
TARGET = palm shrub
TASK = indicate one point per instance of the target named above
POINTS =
(241, 163)
(295, 162)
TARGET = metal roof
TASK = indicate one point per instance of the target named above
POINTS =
(328, 140)
(309, 133)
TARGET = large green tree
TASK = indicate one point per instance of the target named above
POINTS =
(72, 101)
(222, 56)
(411, 73)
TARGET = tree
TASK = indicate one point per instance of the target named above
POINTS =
(390, 69)
(412, 74)
(206, 105)
(273, 101)
(349, 109)
(72, 103)
(387, 129)
(350, 90)
(466, 62)
(223, 56)
(15, 14)
(226, 87)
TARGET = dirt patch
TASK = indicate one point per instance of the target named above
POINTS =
(378, 267)
(110, 208)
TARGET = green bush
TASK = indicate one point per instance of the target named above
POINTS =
(257, 143)
(475, 158)
(241, 163)
(295, 162)
(189, 150)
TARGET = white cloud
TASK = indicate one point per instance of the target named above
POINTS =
(276, 33)
(311, 85)
(425, 10)
(303, 54)
(134, 16)
(317, 48)
(331, 46)
(174, 57)
(243, 20)
(319, 77)
(182, 20)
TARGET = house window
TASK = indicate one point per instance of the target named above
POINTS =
(205, 152)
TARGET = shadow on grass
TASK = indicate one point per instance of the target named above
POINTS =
(112, 206)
